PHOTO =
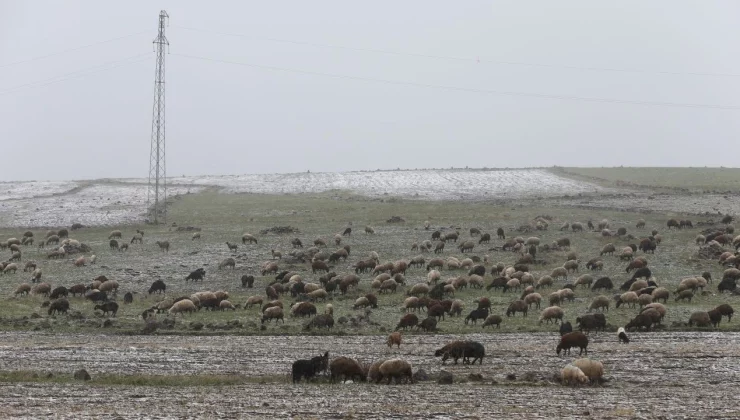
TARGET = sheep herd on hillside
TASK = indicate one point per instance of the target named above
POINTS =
(317, 275)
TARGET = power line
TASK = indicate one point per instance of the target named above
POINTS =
(79, 73)
(463, 89)
(69, 50)
(466, 59)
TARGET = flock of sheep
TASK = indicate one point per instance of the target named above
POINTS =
(425, 302)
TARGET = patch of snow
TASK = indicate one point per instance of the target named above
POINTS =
(17, 190)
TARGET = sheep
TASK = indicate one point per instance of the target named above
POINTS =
(225, 304)
(58, 292)
(394, 338)
(630, 299)
(248, 238)
(346, 368)
(23, 289)
(317, 295)
(690, 283)
(369, 230)
(493, 320)
(395, 369)
(585, 280)
(638, 285)
(590, 322)
(107, 307)
(80, 262)
(418, 290)
(517, 306)
(572, 375)
(599, 302)
(544, 281)
(198, 274)
(309, 368)
(182, 306)
(685, 295)
(275, 313)
(559, 272)
(464, 350)
(10, 267)
(408, 320)
(725, 310)
(573, 339)
(36, 275)
(109, 286)
(571, 266)
(701, 319)
(593, 369)
(227, 262)
(552, 314)
(533, 298)
(475, 315)
(60, 306)
(513, 284)
(163, 245)
(114, 234)
(29, 266)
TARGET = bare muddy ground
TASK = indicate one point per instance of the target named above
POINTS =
(671, 375)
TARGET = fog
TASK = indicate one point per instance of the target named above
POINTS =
(265, 87)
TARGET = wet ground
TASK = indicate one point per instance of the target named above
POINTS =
(664, 375)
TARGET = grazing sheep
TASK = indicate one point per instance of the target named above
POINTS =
(58, 292)
(725, 310)
(599, 302)
(408, 320)
(533, 298)
(630, 299)
(493, 320)
(608, 249)
(23, 289)
(195, 236)
(128, 298)
(10, 267)
(36, 275)
(137, 238)
(198, 274)
(60, 306)
(114, 234)
(559, 272)
(552, 314)
(544, 281)
(475, 315)
(585, 280)
(622, 335)
(500, 233)
(572, 375)
(225, 304)
(248, 238)
(346, 369)
(464, 350)
(517, 306)
(593, 369)
(369, 230)
(395, 369)
(275, 313)
(109, 286)
(80, 262)
(573, 339)
(701, 319)
(571, 266)
(107, 307)
(429, 324)
(685, 295)
(565, 328)
(228, 262)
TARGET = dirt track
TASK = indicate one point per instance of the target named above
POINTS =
(675, 375)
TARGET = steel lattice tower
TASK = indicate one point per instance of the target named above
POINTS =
(157, 190)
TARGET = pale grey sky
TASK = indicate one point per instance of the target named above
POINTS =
(232, 119)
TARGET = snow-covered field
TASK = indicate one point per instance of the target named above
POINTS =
(110, 202)
(424, 184)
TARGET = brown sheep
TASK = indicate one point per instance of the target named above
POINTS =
(585, 280)
(725, 310)
(517, 306)
(346, 368)
(559, 272)
(395, 369)
(394, 338)
(571, 375)
(23, 289)
(593, 369)
(42, 289)
(573, 339)
(571, 266)
(685, 295)
(182, 306)
(493, 320)
(253, 300)
(275, 313)
(533, 298)
(599, 302)
(701, 319)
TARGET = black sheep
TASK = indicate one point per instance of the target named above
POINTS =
(565, 328)
(309, 368)
(476, 314)
(477, 270)
(60, 306)
(58, 292)
(622, 336)
(198, 274)
(247, 281)
(106, 307)
(128, 297)
(157, 286)
(603, 283)
(643, 272)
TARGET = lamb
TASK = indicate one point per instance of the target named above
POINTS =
(36, 275)
(500, 233)
(180, 307)
(346, 368)
(573, 339)
(275, 313)
(60, 306)
(29, 266)
(599, 302)
(571, 375)
(552, 314)
(593, 369)
(645, 299)
(163, 245)
(396, 369)
(622, 335)
(394, 338)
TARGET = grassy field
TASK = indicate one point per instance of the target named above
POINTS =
(225, 217)
(693, 179)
